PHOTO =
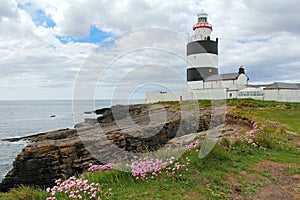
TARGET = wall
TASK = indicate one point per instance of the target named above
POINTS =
(239, 83)
(195, 85)
(242, 80)
(282, 95)
(251, 97)
(203, 60)
(219, 84)
(214, 94)
(233, 94)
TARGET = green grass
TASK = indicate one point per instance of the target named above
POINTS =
(261, 104)
(24, 193)
(207, 178)
(191, 103)
(293, 170)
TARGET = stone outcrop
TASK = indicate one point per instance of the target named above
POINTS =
(120, 129)
(243, 121)
(49, 156)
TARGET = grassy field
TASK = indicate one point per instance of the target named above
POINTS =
(235, 167)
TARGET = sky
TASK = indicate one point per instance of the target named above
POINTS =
(106, 49)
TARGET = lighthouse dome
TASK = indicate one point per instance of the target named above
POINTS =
(202, 14)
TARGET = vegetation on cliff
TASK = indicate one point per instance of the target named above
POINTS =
(258, 162)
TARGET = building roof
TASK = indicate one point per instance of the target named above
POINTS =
(219, 77)
(258, 86)
(279, 85)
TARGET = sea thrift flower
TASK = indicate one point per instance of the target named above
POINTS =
(75, 189)
(147, 168)
(254, 144)
(291, 133)
(254, 129)
(271, 122)
(194, 144)
(93, 168)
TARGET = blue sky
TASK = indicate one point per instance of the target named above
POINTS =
(41, 19)
(46, 44)
(95, 36)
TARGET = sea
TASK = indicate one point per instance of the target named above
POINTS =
(24, 118)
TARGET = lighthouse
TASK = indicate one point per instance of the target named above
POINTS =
(202, 69)
(202, 53)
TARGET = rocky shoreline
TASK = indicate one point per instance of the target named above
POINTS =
(120, 129)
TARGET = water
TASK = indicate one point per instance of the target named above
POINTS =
(22, 118)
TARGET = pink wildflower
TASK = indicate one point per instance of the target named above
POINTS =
(193, 144)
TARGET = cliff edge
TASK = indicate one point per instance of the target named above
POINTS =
(63, 153)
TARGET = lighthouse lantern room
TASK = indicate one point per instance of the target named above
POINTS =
(202, 29)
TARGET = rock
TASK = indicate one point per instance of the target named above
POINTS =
(134, 128)
(59, 134)
(235, 119)
(57, 154)
(101, 111)
(90, 121)
(247, 105)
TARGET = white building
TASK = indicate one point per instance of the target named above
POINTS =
(285, 92)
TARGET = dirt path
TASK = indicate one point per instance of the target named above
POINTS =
(279, 186)
(283, 187)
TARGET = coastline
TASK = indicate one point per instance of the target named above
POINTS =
(62, 153)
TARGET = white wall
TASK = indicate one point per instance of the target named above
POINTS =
(213, 94)
(203, 60)
(239, 83)
(233, 94)
(219, 84)
(195, 85)
(202, 33)
(242, 80)
(282, 95)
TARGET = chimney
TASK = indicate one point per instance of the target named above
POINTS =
(241, 70)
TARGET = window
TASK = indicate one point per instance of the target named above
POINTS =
(230, 95)
(250, 94)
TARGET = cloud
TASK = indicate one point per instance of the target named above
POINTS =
(134, 59)
(44, 44)
(8, 9)
(261, 35)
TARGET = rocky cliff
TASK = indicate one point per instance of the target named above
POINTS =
(120, 129)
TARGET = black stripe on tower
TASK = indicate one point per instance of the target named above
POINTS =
(200, 73)
(202, 46)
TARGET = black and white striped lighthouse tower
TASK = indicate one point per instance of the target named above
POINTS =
(202, 53)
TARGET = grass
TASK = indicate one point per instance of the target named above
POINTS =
(207, 178)
(293, 170)
(24, 193)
